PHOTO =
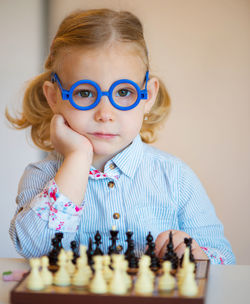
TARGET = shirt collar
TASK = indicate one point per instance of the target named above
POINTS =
(129, 159)
(126, 161)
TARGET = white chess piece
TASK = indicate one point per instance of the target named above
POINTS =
(145, 280)
(83, 256)
(107, 272)
(189, 286)
(127, 277)
(117, 283)
(166, 281)
(70, 266)
(45, 273)
(35, 281)
(62, 277)
(144, 264)
(182, 270)
(98, 283)
(144, 283)
(80, 277)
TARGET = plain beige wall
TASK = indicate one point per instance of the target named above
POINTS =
(201, 50)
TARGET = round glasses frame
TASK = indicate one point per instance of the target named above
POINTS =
(67, 94)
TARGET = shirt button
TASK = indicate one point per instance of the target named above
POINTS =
(119, 247)
(112, 166)
(116, 216)
(111, 184)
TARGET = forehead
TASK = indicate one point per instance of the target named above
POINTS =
(102, 64)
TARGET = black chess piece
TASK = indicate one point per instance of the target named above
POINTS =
(151, 252)
(90, 253)
(155, 263)
(129, 238)
(112, 248)
(131, 257)
(73, 246)
(170, 255)
(149, 239)
(53, 254)
(59, 237)
(98, 241)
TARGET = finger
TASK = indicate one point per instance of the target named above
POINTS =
(163, 249)
(198, 253)
(180, 249)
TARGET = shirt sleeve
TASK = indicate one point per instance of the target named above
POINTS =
(197, 218)
(41, 212)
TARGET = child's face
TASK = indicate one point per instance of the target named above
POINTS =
(104, 66)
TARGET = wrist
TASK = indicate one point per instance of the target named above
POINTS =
(82, 156)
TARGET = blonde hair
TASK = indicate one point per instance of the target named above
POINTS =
(90, 28)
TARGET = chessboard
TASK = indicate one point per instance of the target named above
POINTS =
(88, 275)
(72, 294)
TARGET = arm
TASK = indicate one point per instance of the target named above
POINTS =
(197, 218)
(46, 209)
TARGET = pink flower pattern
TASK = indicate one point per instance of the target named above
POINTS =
(52, 206)
(214, 258)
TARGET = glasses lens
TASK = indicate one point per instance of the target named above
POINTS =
(84, 95)
(125, 94)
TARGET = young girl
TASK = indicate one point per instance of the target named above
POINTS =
(95, 108)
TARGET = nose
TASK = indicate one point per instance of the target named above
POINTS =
(104, 111)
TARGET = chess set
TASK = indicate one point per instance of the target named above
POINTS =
(86, 275)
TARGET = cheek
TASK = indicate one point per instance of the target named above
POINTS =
(133, 123)
(76, 120)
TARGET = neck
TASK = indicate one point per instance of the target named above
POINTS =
(100, 161)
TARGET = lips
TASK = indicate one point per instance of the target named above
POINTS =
(104, 135)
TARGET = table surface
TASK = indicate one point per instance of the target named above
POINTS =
(227, 284)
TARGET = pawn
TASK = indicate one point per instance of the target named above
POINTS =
(107, 272)
(166, 281)
(98, 283)
(62, 277)
(35, 281)
(189, 286)
(144, 265)
(70, 265)
(45, 273)
(84, 258)
(80, 277)
(117, 284)
(144, 284)
(127, 277)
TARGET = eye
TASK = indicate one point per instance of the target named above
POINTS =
(83, 93)
(124, 93)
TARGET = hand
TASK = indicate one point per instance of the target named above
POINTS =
(67, 141)
(179, 245)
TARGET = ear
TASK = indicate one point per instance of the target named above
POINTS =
(49, 90)
(152, 88)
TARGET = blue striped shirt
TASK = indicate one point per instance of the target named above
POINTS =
(152, 191)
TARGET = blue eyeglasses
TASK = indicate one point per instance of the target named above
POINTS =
(124, 94)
